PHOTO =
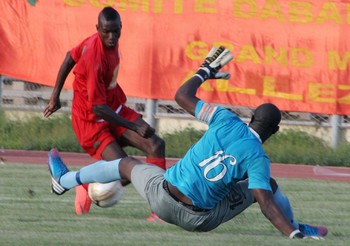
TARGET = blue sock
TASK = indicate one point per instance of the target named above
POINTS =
(283, 203)
(98, 172)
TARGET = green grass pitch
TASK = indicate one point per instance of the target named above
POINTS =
(31, 215)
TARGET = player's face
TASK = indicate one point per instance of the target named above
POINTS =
(109, 32)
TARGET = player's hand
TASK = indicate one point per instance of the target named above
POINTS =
(53, 106)
(145, 130)
(214, 61)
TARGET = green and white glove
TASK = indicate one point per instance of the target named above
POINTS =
(214, 61)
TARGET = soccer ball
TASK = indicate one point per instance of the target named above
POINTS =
(106, 195)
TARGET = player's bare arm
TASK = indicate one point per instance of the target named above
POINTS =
(63, 72)
(272, 212)
(107, 114)
(186, 94)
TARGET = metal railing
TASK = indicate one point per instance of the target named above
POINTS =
(21, 95)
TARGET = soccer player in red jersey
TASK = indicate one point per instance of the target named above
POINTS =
(102, 122)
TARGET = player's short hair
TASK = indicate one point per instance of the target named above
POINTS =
(109, 14)
(268, 115)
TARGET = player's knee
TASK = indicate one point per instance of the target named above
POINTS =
(273, 185)
(157, 145)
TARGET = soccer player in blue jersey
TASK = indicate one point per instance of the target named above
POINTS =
(220, 176)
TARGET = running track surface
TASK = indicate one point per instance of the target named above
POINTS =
(341, 174)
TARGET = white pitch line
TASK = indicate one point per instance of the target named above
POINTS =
(318, 170)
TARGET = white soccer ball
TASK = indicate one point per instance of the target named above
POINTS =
(106, 195)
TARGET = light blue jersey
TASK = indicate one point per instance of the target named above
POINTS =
(226, 152)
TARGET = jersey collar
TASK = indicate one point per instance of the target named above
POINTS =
(256, 134)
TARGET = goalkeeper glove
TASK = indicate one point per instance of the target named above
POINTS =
(214, 61)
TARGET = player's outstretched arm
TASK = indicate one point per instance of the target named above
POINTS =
(63, 72)
(272, 212)
(215, 60)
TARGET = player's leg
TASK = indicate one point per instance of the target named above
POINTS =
(100, 172)
(94, 138)
(153, 147)
(108, 150)
(82, 201)
(112, 152)
(237, 200)
(283, 203)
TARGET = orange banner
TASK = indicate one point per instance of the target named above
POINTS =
(295, 54)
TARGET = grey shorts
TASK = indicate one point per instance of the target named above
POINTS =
(148, 181)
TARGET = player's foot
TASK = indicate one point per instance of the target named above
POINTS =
(154, 218)
(315, 232)
(57, 169)
(82, 202)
